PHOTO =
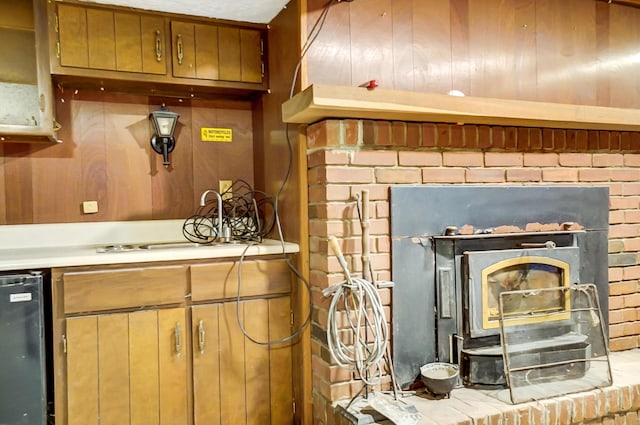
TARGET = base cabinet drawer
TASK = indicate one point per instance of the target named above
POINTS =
(247, 279)
(123, 288)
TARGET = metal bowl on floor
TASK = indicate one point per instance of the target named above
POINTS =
(439, 378)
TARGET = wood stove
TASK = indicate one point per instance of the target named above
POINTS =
(457, 248)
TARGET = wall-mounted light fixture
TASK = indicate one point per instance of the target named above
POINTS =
(164, 123)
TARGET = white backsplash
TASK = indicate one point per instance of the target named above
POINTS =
(90, 234)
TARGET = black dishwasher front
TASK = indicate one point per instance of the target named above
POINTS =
(23, 377)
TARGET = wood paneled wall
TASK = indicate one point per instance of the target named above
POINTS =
(106, 156)
(272, 158)
(570, 51)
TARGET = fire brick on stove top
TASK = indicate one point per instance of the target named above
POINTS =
(446, 282)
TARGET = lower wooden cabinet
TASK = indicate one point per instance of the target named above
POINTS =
(127, 354)
(127, 368)
(237, 380)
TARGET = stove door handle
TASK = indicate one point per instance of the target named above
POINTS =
(547, 244)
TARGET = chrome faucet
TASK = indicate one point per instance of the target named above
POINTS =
(203, 202)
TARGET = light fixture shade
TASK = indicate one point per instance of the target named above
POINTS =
(164, 122)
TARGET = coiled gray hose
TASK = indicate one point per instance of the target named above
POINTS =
(366, 320)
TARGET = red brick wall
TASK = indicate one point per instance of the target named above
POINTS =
(347, 156)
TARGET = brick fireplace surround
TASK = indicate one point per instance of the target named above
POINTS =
(346, 156)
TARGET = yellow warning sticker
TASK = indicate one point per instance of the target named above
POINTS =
(216, 134)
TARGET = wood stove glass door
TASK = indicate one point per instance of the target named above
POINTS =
(489, 273)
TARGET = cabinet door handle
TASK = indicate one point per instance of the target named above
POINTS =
(178, 339)
(158, 46)
(201, 335)
(179, 49)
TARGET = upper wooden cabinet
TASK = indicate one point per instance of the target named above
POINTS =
(110, 43)
(26, 110)
(108, 40)
(214, 52)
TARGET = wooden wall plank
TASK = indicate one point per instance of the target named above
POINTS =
(603, 33)
(89, 157)
(402, 50)
(19, 195)
(432, 46)
(235, 159)
(286, 30)
(72, 163)
(503, 49)
(329, 58)
(460, 63)
(125, 150)
(622, 65)
(205, 154)
(213, 161)
(371, 51)
(566, 51)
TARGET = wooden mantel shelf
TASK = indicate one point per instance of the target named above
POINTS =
(318, 102)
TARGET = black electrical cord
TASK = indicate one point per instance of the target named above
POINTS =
(248, 215)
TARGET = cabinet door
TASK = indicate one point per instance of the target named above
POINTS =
(25, 81)
(72, 36)
(114, 41)
(240, 55)
(251, 56)
(154, 49)
(255, 378)
(211, 52)
(195, 50)
(127, 368)
(183, 41)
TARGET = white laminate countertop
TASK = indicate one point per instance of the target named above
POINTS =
(38, 246)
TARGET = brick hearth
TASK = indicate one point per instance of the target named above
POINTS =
(618, 404)
(347, 156)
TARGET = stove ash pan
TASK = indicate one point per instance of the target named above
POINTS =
(448, 285)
